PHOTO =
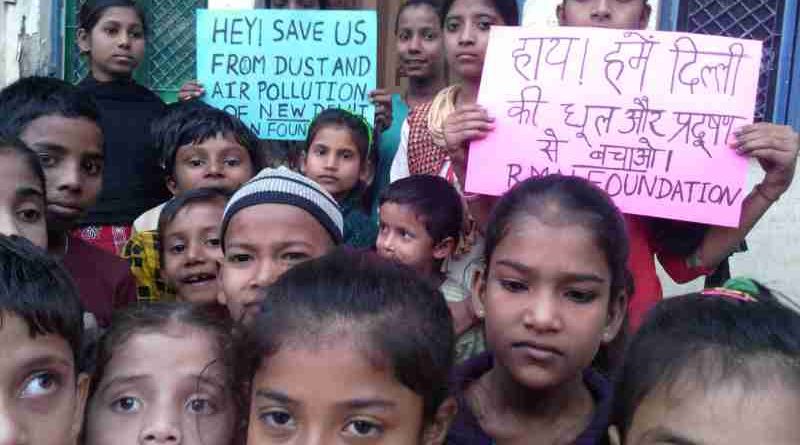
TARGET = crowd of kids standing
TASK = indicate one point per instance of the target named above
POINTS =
(166, 278)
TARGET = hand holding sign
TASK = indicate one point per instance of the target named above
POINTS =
(277, 69)
(644, 115)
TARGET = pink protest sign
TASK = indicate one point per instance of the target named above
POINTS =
(645, 115)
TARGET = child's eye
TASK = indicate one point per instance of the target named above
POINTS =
(214, 242)
(47, 160)
(319, 151)
(484, 25)
(110, 30)
(126, 404)
(233, 162)
(514, 286)
(579, 296)
(195, 162)
(136, 34)
(404, 35)
(278, 419)
(201, 406)
(239, 258)
(177, 249)
(294, 257)
(452, 25)
(29, 216)
(406, 234)
(363, 428)
(92, 168)
(39, 385)
(430, 36)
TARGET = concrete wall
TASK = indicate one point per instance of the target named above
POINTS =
(25, 40)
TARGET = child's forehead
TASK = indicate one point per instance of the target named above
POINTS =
(261, 221)
(19, 345)
(216, 142)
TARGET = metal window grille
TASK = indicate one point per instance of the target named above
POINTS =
(751, 19)
(170, 55)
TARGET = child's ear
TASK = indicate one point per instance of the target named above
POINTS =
(617, 309)
(436, 432)
(83, 40)
(444, 248)
(613, 436)
(301, 162)
(172, 186)
(81, 396)
(478, 293)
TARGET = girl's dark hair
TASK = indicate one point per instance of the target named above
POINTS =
(174, 205)
(92, 11)
(194, 122)
(362, 136)
(158, 317)
(507, 9)
(31, 159)
(36, 287)
(677, 237)
(564, 200)
(707, 339)
(434, 201)
(401, 320)
(436, 5)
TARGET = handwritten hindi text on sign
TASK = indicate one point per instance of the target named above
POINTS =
(645, 115)
(277, 69)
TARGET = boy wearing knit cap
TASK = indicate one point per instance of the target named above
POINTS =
(275, 221)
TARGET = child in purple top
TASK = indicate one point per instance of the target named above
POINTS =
(554, 290)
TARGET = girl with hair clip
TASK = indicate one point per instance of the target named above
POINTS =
(111, 33)
(553, 292)
(717, 367)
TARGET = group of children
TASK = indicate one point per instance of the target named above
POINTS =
(358, 295)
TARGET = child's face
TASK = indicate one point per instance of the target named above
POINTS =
(115, 44)
(192, 251)
(219, 162)
(731, 413)
(404, 238)
(546, 302)
(419, 42)
(41, 400)
(71, 153)
(22, 204)
(615, 14)
(333, 161)
(261, 243)
(163, 387)
(295, 4)
(466, 35)
(340, 397)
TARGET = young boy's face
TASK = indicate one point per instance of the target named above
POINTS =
(192, 251)
(219, 162)
(261, 243)
(41, 399)
(404, 238)
(71, 153)
(615, 14)
(22, 202)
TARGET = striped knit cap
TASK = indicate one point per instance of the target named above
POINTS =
(283, 186)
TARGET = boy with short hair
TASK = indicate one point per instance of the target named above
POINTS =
(421, 221)
(43, 386)
(61, 125)
(278, 219)
(201, 146)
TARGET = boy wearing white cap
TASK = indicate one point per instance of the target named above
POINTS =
(275, 221)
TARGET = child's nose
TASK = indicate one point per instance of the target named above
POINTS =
(542, 314)
(601, 10)
(8, 225)
(161, 431)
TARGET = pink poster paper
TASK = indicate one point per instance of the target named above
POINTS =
(645, 115)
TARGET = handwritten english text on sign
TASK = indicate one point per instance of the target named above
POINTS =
(277, 69)
(645, 115)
